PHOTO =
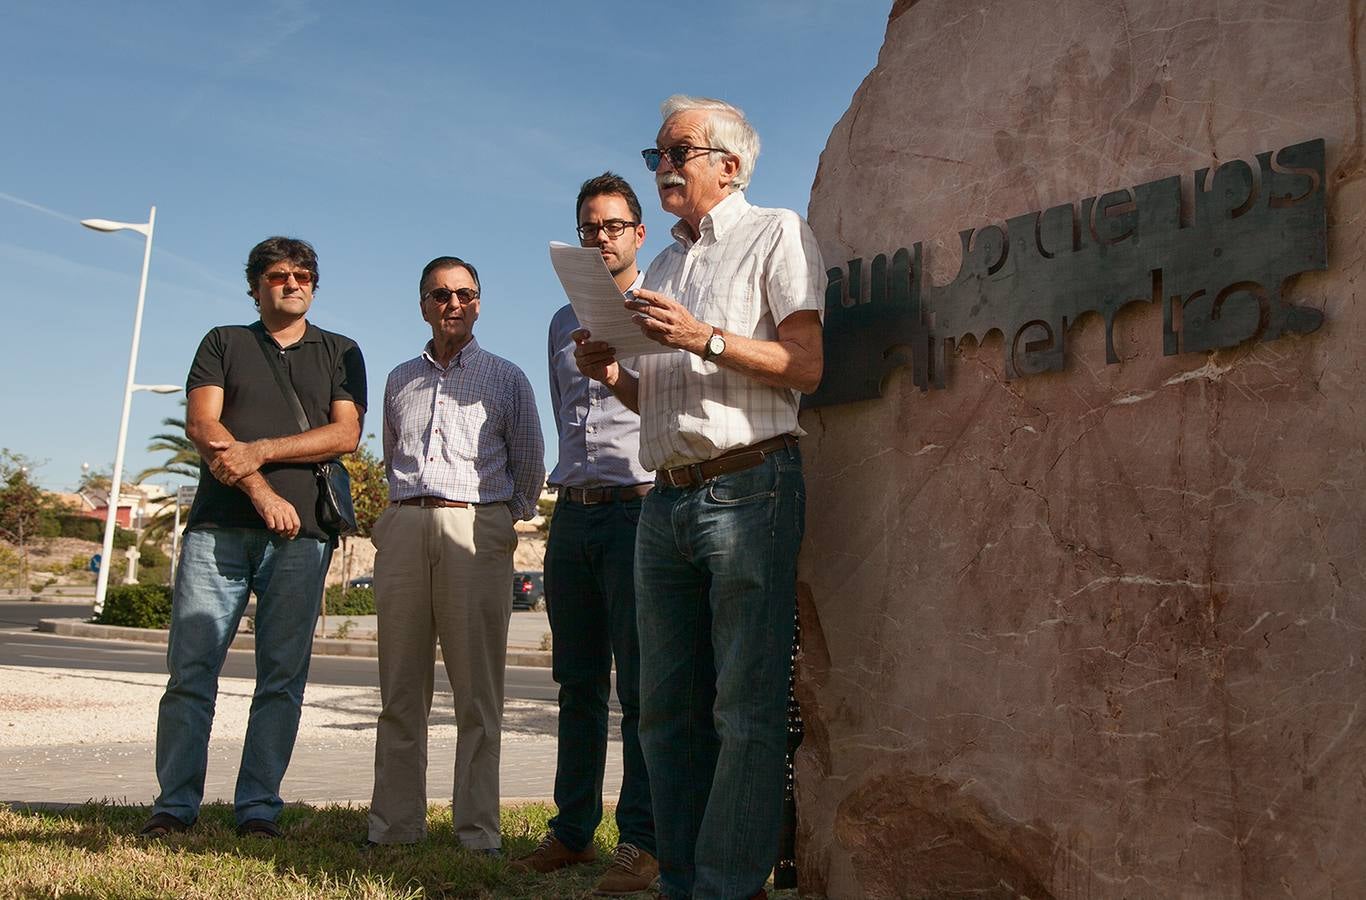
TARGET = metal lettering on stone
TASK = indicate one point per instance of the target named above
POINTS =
(1217, 266)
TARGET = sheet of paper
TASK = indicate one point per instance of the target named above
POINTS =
(597, 302)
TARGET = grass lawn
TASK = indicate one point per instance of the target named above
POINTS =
(92, 851)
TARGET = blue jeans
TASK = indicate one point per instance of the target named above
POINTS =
(591, 600)
(219, 568)
(716, 571)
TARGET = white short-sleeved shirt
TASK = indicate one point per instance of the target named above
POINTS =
(749, 270)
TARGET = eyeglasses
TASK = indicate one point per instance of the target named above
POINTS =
(466, 296)
(678, 155)
(613, 228)
(279, 279)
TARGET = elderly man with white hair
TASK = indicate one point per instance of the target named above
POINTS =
(739, 295)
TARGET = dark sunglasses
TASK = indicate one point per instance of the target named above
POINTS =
(678, 155)
(613, 228)
(278, 279)
(466, 296)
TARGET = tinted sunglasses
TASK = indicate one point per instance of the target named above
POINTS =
(678, 155)
(278, 279)
(444, 295)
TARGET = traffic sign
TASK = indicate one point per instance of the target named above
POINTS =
(95, 562)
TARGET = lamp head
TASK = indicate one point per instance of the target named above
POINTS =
(109, 225)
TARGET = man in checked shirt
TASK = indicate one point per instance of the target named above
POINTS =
(738, 296)
(465, 459)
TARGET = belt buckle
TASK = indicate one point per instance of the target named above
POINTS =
(695, 471)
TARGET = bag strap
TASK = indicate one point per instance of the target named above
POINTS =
(286, 388)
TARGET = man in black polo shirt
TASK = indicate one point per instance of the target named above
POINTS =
(253, 529)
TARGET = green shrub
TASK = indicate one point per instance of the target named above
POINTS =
(137, 606)
(154, 566)
(547, 509)
(9, 565)
(74, 525)
(357, 601)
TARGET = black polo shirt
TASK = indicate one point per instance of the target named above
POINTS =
(322, 366)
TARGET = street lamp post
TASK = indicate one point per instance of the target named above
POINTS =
(106, 557)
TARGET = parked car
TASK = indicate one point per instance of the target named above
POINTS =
(527, 591)
(367, 580)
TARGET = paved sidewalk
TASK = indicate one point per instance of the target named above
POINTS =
(68, 736)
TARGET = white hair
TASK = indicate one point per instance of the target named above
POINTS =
(727, 129)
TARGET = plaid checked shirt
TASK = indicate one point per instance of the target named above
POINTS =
(466, 432)
(749, 270)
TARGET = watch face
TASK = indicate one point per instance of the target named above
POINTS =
(716, 345)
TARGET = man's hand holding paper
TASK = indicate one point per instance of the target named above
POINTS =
(602, 309)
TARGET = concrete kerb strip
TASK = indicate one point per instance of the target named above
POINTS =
(247, 641)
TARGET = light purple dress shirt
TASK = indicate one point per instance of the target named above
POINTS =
(599, 436)
(467, 432)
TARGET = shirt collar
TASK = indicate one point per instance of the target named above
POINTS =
(312, 334)
(718, 220)
(635, 285)
(462, 357)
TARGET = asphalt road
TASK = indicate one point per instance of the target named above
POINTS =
(20, 645)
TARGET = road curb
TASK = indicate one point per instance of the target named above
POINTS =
(247, 641)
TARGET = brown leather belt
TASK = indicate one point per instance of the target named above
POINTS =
(591, 496)
(736, 460)
(433, 503)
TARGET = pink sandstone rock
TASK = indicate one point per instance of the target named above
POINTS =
(1096, 633)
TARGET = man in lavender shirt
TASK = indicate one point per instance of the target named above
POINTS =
(590, 576)
(465, 459)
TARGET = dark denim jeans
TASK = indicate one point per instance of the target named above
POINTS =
(591, 600)
(218, 568)
(716, 570)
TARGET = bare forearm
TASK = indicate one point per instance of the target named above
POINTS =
(783, 364)
(793, 360)
(626, 388)
(203, 432)
(315, 445)
(231, 460)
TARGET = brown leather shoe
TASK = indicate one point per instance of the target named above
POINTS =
(632, 871)
(552, 855)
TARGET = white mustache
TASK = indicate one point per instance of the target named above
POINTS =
(670, 179)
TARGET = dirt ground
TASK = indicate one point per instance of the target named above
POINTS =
(49, 554)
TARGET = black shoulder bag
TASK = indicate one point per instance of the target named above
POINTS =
(336, 514)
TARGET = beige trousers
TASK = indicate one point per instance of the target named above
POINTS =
(441, 574)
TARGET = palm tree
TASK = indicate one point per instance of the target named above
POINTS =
(184, 458)
(183, 461)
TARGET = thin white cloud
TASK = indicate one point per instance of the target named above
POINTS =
(210, 277)
(28, 204)
(16, 259)
(287, 18)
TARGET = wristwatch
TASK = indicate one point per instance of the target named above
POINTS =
(716, 345)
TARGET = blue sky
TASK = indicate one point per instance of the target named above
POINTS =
(384, 136)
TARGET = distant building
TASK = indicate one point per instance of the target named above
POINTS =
(137, 503)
